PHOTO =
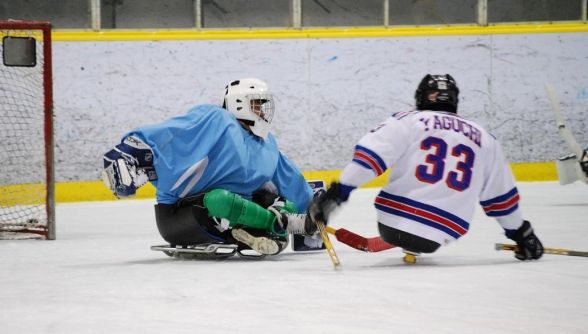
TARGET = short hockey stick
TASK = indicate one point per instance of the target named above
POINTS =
(327, 242)
(374, 244)
(546, 250)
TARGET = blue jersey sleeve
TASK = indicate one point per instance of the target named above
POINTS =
(291, 183)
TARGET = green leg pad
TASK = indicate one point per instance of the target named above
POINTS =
(239, 211)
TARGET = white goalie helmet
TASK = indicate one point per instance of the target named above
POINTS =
(252, 103)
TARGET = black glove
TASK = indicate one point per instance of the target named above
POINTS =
(325, 202)
(528, 245)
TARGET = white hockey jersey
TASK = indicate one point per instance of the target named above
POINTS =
(441, 165)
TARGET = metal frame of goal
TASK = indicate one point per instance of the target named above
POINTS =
(27, 181)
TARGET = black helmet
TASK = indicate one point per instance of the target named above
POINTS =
(437, 92)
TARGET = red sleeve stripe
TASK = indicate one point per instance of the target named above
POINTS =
(361, 156)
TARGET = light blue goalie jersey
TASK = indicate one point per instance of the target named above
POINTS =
(208, 149)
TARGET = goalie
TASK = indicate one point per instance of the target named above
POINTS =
(218, 173)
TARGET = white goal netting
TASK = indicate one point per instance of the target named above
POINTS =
(26, 175)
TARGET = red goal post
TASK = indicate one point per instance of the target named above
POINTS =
(27, 182)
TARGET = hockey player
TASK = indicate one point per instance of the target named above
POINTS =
(218, 173)
(442, 164)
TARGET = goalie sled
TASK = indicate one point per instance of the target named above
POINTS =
(198, 252)
(207, 252)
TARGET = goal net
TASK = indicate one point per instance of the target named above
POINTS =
(27, 206)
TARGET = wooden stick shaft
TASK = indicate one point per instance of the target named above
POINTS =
(328, 245)
(546, 250)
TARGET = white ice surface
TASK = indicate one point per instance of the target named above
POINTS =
(100, 276)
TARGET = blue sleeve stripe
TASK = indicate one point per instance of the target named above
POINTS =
(501, 198)
(362, 163)
(501, 213)
(372, 155)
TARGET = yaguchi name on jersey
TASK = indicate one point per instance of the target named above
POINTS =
(446, 122)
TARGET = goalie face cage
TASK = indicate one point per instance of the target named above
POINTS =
(27, 187)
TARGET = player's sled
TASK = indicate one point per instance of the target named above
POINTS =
(198, 252)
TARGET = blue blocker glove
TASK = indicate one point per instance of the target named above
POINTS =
(127, 167)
